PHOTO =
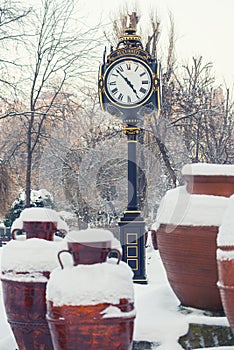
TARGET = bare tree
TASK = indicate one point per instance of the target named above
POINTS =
(203, 113)
(6, 182)
(55, 56)
(12, 20)
(88, 143)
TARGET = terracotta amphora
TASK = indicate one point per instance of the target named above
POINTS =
(85, 325)
(226, 283)
(209, 179)
(40, 223)
(189, 257)
(225, 261)
(25, 307)
(99, 313)
(24, 279)
(187, 245)
(88, 253)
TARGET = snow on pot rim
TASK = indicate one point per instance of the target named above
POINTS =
(113, 311)
(39, 215)
(93, 235)
(31, 255)
(225, 237)
(91, 284)
(224, 254)
(178, 207)
(207, 169)
(32, 277)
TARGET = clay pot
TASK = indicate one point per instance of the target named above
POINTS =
(24, 289)
(37, 229)
(226, 284)
(215, 185)
(100, 314)
(40, 223)
(227, 297)
(84, 327)
(154, 239)
(25, 307)
(24, 280)
(189, 257)
(209, 179)
(89, 253)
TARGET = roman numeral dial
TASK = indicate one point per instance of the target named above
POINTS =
(128, 82)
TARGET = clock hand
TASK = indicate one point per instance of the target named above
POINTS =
(128, 82)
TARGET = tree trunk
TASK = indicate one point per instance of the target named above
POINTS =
(29, 162)
(166, 160)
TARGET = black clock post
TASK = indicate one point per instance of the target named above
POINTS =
(132, 225)
(129, 89)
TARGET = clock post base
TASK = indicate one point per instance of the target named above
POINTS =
(132, 238)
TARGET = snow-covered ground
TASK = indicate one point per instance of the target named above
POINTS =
(158, 317)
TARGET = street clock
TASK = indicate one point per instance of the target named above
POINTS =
(129, 80)
(129, 86)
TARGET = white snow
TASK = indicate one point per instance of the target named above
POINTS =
(17, 225)
(35, 195)
(62, 226)
(224, 255)
(2, 224)
(114, 311)
(178, 207)
(31, 255)
(39, 215)
(91, 284)
(208, 169)
(92, 235)
(158, 318)
(22, 277)
(225, 235)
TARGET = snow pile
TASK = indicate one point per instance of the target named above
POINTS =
(31, 255)
(178, 207)
(92, 235)
(37, 214)
(225, 235)
(226, 231)
(35, 196)
(208, 169)
(17, 225)
(25, 277)
(91, 284)
(114, 311)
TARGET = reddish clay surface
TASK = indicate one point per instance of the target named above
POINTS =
(38, 229)
(84, 328)
(25, 307)
(226, 286)
(215, 185)
(89, 253)
(189, 257)
(154, 239)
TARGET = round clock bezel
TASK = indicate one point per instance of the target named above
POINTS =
(119, 104)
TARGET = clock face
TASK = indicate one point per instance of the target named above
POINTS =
(128, 82)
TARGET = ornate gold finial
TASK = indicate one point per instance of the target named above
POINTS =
(130, 38)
